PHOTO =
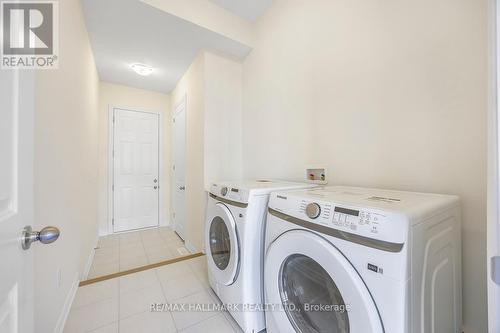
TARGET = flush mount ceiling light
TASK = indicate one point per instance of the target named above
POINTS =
(142, 69)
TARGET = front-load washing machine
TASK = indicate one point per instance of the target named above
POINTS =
(357, 260)
(234, 244)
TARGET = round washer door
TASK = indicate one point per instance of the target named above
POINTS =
(222, 244)
(313, 288)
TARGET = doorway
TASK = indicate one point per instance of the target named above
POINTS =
(135, 165)
(179, 168)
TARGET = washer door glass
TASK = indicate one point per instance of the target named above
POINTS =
(311, 299)
(220, 243)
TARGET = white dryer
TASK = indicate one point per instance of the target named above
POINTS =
(234, 244)
(357, 260)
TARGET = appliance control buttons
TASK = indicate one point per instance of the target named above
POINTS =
(313, 210)
(223, 191)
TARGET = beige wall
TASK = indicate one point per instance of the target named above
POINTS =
(191, 85)
(386, 94)
(66, 129)
(213, 89)
(134, 99)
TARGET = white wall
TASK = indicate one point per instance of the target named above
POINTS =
(223, 127)
(134, 99)
(386, 94)
(213, 89)
(66, 133)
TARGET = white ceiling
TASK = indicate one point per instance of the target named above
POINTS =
(128, 31)
(250, 10)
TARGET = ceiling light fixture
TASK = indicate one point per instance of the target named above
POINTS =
(142, 69)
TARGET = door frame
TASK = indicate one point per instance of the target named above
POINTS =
(493, 187)
(110, 193)
(182, 100)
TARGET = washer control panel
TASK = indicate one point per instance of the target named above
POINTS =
(342, 217)
(229, 193)
(355, 218)
(313, 210)
(223, 191)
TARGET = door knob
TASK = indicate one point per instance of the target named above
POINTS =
(182, 188)
(46, 236)
(155, 180)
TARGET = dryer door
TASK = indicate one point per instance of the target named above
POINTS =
(312, 287)
(222, 244)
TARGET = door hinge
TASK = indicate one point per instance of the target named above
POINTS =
(113, 221)
(113, 187)
(173, 167)
(113, 118)
(113, 153)
(495, 269)
(173, 214)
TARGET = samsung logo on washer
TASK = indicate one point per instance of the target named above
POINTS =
(375, 268)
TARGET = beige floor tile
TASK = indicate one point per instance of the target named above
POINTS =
(154, 257)
(105, 269)
(173, 271)
(106, 251)
(96, 292)
(132, 253)
(148, 322)
(111, 328)
(140, 300)
(132, 247)
(217, 323)
(92, 316)
(134, 262)
(155, 247)
(184, 319)
(139, 280)
(181, 287)
(232, 322)
(130, 237)
(107, 241)
(106, 259)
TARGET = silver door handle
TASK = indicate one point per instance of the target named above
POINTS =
(46, 236)
(182, 188)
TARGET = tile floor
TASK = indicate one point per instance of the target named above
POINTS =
(120, 252)
(123, 304)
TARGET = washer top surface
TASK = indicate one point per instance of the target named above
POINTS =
(241, 190)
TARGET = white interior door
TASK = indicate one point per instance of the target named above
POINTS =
(16, 200)
(179, 169)
(136, 176)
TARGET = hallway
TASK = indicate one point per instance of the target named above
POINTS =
(121, 252)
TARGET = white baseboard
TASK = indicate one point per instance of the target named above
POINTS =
(191, 248)
(88, 265)
(63, 316)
